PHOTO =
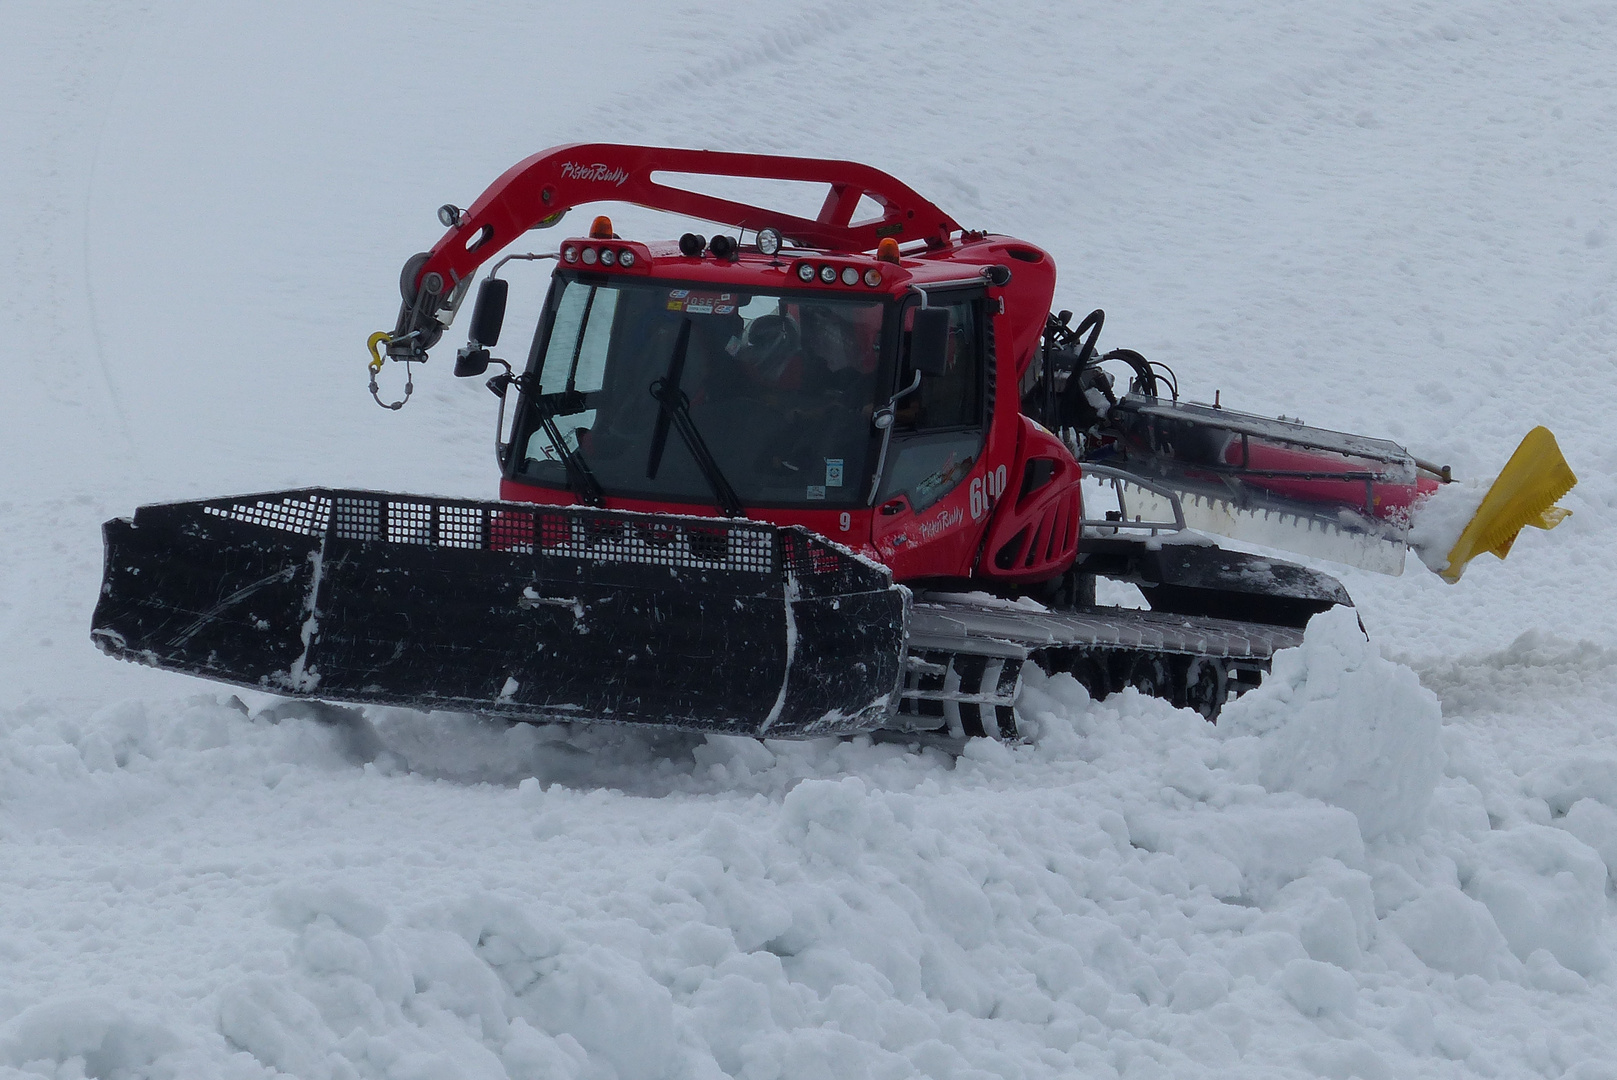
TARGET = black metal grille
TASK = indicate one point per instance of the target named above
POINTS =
(469, 527)
(307, 515)
(357, 519)
(823, 569)
(597, 535)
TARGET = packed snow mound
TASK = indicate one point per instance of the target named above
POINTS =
(83, 1036)
(1337, 721)
(1135, 892)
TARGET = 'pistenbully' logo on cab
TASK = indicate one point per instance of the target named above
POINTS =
(574, 171)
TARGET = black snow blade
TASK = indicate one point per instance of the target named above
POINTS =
(509, 609)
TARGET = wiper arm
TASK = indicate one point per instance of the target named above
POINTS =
(579, 477)
(676, 411)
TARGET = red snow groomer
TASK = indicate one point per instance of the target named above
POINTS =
(815, 476)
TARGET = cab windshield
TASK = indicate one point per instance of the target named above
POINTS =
(780, 387)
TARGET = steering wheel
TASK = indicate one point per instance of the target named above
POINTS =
(772, 339)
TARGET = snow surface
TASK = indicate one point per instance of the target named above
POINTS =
(1395, 859)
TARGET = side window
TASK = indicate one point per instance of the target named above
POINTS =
(955, 398)
(938, 430)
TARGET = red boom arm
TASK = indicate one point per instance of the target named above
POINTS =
(558, 179)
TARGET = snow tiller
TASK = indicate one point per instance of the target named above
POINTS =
(818, 476)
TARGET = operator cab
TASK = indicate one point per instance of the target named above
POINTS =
(778, 385)
(785, 379)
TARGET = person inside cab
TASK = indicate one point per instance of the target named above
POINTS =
(813, 366)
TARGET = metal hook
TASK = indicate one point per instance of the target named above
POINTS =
(377, 339)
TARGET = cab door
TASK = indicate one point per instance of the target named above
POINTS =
(929, 512)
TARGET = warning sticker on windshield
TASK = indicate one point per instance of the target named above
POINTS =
(701, 303)
(816, 491)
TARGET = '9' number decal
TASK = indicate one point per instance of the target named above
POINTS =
(986, 490)
(846, 521)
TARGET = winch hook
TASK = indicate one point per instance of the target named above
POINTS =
(382, 337)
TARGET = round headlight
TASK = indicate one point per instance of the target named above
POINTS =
(850, 276)
(805, 272)
(768, 241)
(873, 276)
(625, 258)
(828, 274)
(608, 256)
(569, 253)
(588, 256)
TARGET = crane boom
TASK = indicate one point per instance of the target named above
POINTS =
(542, 187)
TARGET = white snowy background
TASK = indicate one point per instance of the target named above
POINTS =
(1394, 860)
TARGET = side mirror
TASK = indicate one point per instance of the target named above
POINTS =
(500, 384)
(489, 313)
(470, 361)
(929, 341)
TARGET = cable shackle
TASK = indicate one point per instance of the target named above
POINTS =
(382, 337)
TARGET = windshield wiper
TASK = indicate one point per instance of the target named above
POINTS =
(579, 477)
(676, 411)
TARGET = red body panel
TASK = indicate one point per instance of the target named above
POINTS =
(1034, 535)
(1384, 499)
(853, 533)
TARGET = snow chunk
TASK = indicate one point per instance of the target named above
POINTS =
(1319, 989)
(1587, 776)
(609, 1004)
(1437, 521)
(1333, 908)
(1337, 721)
(1595, 823)
(277, 1026)
(299, 907)
(1248, 851)
(1451, 932)
(1546, 890)
(833, 818)
(105, 1040)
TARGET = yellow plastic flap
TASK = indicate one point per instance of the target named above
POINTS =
(1524, 494)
